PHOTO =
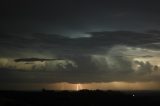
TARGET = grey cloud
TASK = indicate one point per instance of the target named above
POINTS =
(97, 43)
(153, 32)
(146, 56)
(125, 37)
(34, 59)
(88, 70)
(146, 67)
(97, 58)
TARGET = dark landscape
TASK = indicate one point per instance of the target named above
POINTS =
(78, 98)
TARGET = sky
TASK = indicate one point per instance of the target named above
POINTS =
(89, 44)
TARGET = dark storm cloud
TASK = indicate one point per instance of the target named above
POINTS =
(146, 56)
(125, 38)
(98, 43)
(19, 43)
(34, 59)
(99, 40)
(61, 16)
(65, 45)
(146, 72)
(98, 58)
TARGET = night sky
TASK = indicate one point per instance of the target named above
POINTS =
(95, 44)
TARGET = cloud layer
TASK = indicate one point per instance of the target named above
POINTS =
(102, 57)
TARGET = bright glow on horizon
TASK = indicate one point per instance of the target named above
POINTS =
(89, 86)
(106, 86)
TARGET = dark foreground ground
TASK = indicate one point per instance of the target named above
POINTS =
(78, 98)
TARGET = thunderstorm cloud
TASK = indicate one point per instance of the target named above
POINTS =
(104, 56)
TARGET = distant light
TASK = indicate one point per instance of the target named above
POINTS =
(133, 95)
